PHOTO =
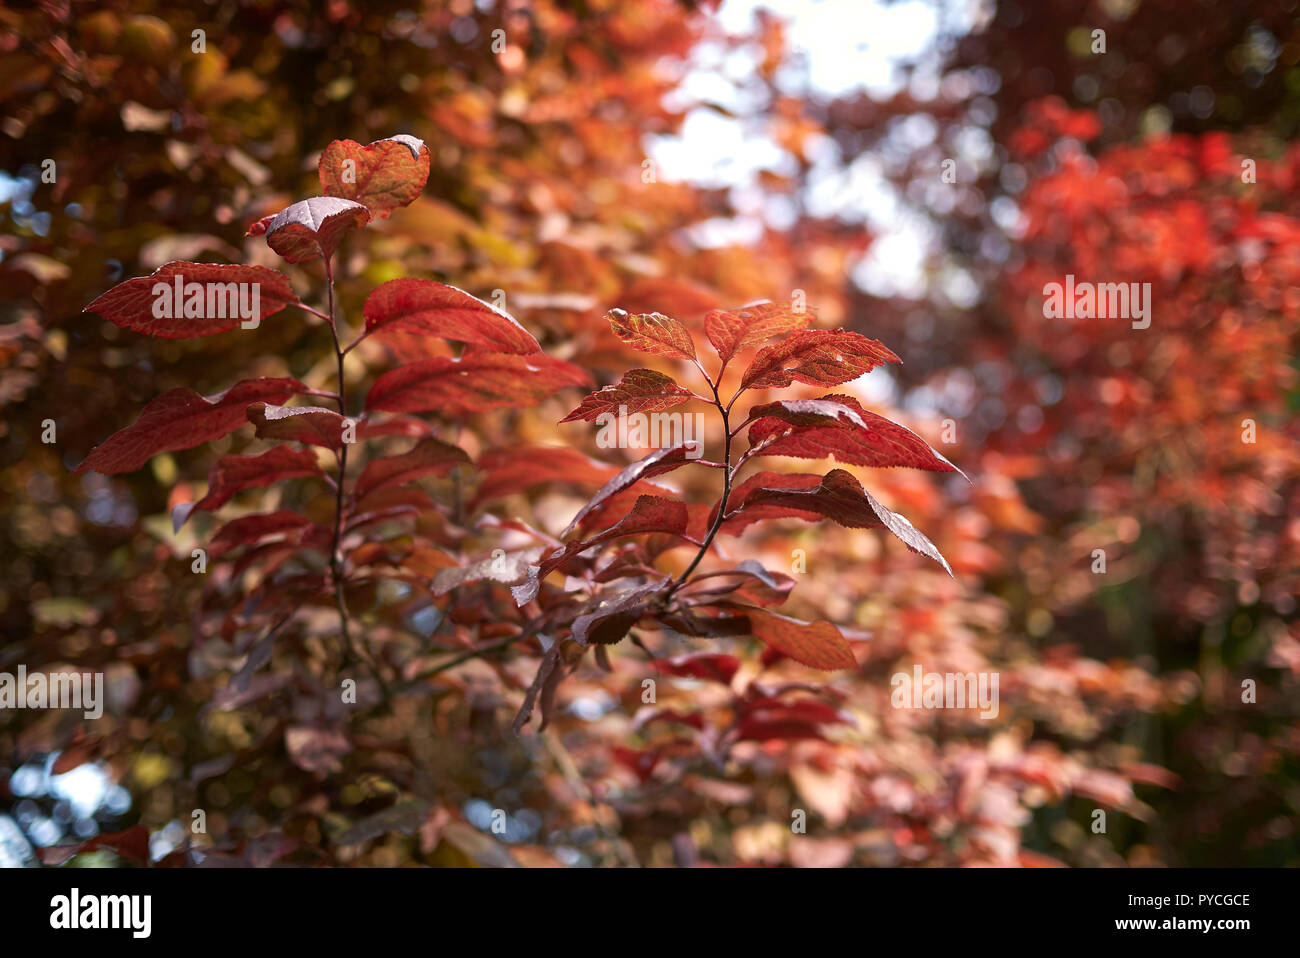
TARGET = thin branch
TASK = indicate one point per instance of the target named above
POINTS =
(356, 342)
(314, 311)
(722, 503)
(528, 631)
(351, 651)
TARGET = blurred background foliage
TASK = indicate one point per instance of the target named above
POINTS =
(1120, 691)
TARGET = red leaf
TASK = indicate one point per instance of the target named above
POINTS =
(640, 390)
(820, 357)
(247, 530)
(773, 708)
(657, 463)
(77, 754)
(613, 616)
(313, 228)
(132, 304)
(519, 468)
(429, 308)
(652, 333)
(132, 844)
(828, 411)
(430, 457)
(182, 419)
(803, 429)
(687, 622)
(473, 383)
(233, 474)
(410, 427)
(549, 673)
(650, 514)
(259, 228)
(313, 425)
(708, 665)
(816, 644)
(383, 175)
(733, 330)
(837, 496)
(621, 503)
(642, 762)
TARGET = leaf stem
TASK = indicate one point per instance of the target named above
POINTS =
(315, 312)
(356, 342)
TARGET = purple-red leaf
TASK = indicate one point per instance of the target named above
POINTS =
(436, 309)
(837, 496)
(808, 429)
(649, 514)
(612, 616)
(657, 463)
(313, 425)
(713, 666)
(828, 411)
(313, 228)
(248, 530)
(640, 390)
(819, 357)
(233, 474)
(153, 305)
(652, 333)
(733, 330)
(473, 383)
(430, 457)
(182, 419)
(518, 468)
(383, 175)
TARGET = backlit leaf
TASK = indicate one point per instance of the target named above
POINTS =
(650, 514)
(519, 468)
(382, 175)
(837, 496)
(640, 390)
(233, 474)
(733, 330)
(819, 357)
(816, 644)
(790, 428)
(430, 457)
(652, 333)
(249, 530)
(314, 425)
(473, 383)
(313, 228)
(181, 419)
(657, 463)
(136, 303)
(429, 308)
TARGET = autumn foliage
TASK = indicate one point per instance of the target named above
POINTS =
(363, 568)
